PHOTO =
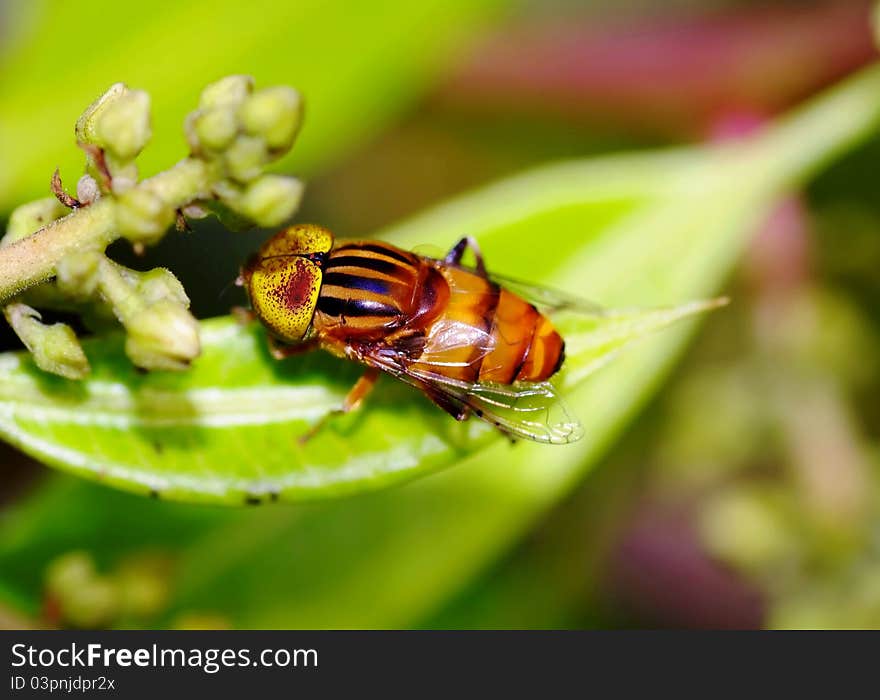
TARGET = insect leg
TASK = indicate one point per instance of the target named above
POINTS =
(242, 315)
(361, 389)
(355, 397)
(457, 253)
(280, 352)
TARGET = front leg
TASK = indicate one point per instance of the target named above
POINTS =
(243, 316)
(280, 351)
(352, 401)
(457, 253)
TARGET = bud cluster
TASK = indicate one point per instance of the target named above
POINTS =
(241, 131)
(79, 595)
(235, 133)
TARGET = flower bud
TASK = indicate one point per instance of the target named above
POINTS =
(84, 598)
(123, 126)
(54, 348)
(274, 114)
(31, 217)
(68, 572)
(231, 90)
(142, 215)
(118, 121)
(85, 125)
(93, 606)
(245, 158)
(160, 284)
(215, 128)
(58, 351)
(76, 275)
(270, 200)
(163, 336)
(143, 584)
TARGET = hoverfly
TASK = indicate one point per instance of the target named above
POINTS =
(457, 334)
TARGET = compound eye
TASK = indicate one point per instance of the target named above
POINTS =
(284, 293)
(301, 239)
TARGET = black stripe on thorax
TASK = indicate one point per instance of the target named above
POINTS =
(361, 283)
(381, 249)
(368, 263)
(334, 306)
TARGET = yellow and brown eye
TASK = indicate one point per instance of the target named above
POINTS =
(283, 279)
(301, 239)
(284, 293)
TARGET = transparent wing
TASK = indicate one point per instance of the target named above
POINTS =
(547, 298)
(456, 344)
(527, 410)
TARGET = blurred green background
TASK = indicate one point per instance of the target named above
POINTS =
(745, 493)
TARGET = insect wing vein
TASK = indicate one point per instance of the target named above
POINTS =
(532, 411)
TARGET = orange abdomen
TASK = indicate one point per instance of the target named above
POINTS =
(500, 336)
(527, 346)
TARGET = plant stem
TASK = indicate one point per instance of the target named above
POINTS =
(32, 260)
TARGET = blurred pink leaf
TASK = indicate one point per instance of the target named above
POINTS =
(673, 75)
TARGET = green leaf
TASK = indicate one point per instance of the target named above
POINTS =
(661, 228)
(226, 430)
(357, 64)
